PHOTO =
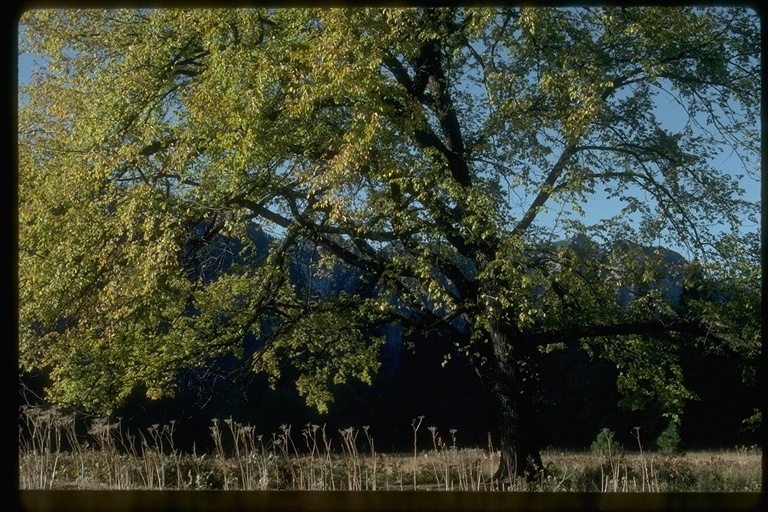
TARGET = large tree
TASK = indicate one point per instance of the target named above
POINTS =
(504, 177)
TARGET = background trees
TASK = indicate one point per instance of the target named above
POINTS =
(502, 178)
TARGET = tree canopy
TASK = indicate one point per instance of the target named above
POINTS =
(507, 177)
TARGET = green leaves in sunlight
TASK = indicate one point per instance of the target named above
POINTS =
(277, 186)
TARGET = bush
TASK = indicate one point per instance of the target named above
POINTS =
(668, 441)
(604, 444)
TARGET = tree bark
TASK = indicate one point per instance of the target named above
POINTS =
(504, 367)
(519, 439)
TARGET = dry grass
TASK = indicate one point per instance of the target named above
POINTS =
(737, 470)
(51, 456)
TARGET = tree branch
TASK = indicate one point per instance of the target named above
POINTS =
(651, 327)
(545, 191)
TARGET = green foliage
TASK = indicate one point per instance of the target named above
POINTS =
(755, 421)
(604, 443)
(669, 440)
(445, 154)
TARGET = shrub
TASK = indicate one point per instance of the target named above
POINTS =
(668, 441)
(604, 444)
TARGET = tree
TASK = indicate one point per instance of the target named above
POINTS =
(460, 160)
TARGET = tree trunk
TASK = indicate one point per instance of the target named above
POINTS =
(504, 368)
(519, 439)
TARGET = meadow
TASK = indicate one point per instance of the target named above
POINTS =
(54, 455)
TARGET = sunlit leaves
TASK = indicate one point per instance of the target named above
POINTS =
(729, 296)
(648, 374)
(477, 167)
(327, 345)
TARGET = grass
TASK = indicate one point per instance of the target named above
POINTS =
(52, 456)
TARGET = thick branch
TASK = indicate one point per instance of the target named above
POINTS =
(653, 327)
(545, 192)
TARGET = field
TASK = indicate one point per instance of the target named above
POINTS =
(53, 456)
